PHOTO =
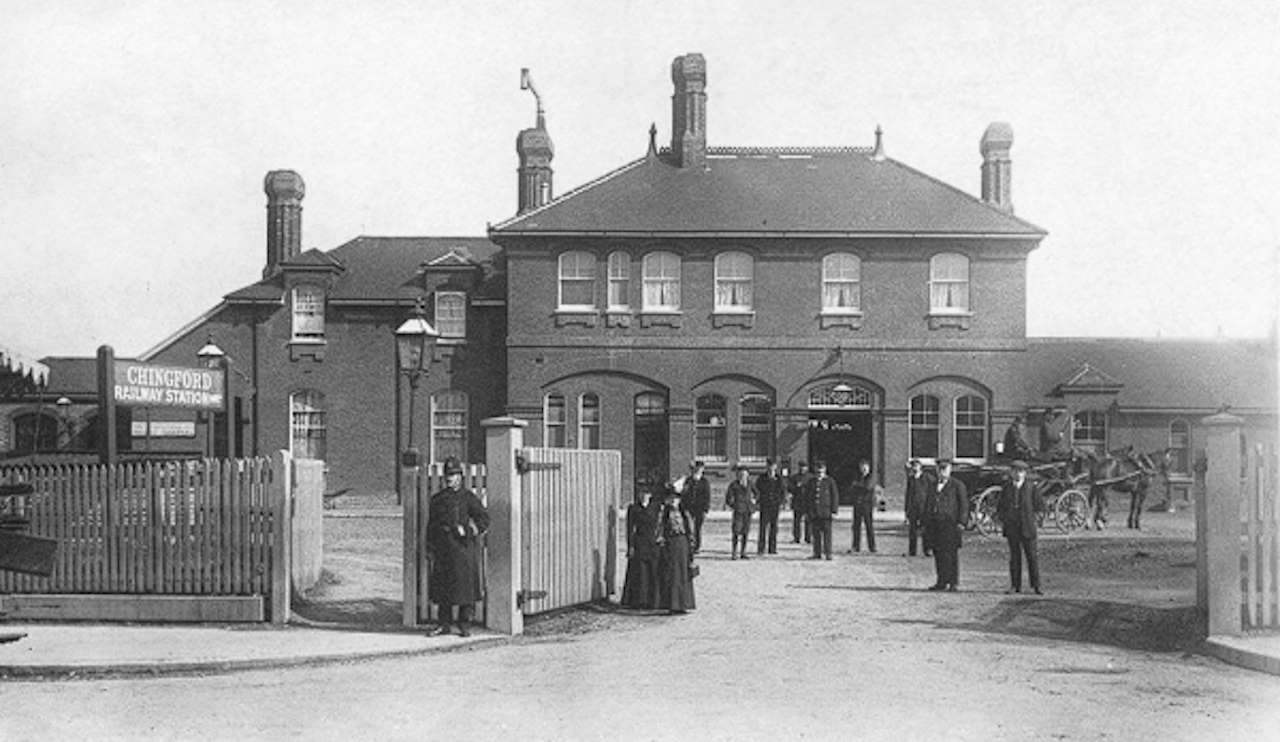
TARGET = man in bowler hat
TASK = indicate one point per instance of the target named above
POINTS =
(1017, 508)
(946, 514)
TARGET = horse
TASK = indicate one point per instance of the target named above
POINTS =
(1123, 470)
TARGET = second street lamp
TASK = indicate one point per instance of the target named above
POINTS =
(415, 340)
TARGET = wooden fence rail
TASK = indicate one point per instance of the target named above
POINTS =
(164, 528)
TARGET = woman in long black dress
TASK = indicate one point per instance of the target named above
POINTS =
(640, 590)
(675, 583)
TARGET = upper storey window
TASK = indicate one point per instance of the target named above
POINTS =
(949, 284)
(661, 282)
(841, 284)
(734, 279)
(451, 314)
(577, 280)
(308, 313)
(619, 281)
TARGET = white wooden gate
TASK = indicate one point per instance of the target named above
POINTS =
(569, 522)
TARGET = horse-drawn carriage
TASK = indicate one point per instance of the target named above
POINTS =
(1072, 487)
(1063, 492)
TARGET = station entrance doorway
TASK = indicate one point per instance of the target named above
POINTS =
(841, 439)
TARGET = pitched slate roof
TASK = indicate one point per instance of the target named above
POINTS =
(1162, 374)
(376, 269)
(763, 191)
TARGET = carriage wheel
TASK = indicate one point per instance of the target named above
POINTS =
(984, 511)
(1071, 511)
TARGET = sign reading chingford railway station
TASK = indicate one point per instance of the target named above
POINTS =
(145, 385)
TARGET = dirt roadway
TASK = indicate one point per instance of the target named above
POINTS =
(780, 648)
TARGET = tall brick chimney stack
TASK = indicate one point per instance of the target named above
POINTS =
(285, 190)
(996, 167)
(535, 150)
(689, 110)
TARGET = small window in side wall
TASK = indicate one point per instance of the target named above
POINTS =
(589, 421)
(448, 426)
(755, 428)
(735, 276)
(307, 425)
(949, 284)
(661, 282)
(451, 314)
(619, 281)
(577, 281)
(1089, 431)
(841, 284)
(308, 313)
(554, 422)
(923, 422)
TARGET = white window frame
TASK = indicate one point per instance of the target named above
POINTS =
(913, 426)
(982, 427)
(715, 425)
(450, 325)
(946, 285)
(1098, 445)
(578, 267)
(734, 274)
(765, 429)
(589, 427)
(308, 313)
(661, 270)
(440, 423)
(841, 269)
(307, 421)
(562, 425)
(620, 279)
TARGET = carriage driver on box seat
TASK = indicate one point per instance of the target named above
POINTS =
(1015, 441)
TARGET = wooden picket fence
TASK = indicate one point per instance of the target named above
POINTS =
(1260, 532)
(159, 528)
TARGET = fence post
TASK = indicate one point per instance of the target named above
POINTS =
(281, 503)
(409, 488)
(504, 436)
(1218, 528)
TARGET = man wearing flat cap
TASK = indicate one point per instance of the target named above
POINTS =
(456, 521)
(1017, 509)
(946, 514)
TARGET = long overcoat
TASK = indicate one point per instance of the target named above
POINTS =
(946, 512)
(456, 521)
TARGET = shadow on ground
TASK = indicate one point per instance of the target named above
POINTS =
(1096, 622)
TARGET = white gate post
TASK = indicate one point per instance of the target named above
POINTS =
(504, 436)
(1218, 528)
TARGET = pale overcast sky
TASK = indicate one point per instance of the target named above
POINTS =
(134, 136)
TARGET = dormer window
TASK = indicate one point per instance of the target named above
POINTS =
(451, 314)
(308, 313)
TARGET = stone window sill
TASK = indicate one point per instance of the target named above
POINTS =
(852, 320)
(619, 318)
(733, 319)
(584, 317)
(958, 320)
(312, 348)
(662, 319)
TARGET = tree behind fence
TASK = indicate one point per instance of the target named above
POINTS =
(179, 528)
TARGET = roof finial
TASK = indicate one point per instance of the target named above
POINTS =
(653, 140)
(878, 153)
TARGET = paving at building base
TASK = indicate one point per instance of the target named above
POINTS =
(1110, 652)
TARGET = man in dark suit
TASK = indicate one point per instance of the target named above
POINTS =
(798, 485)
(824, 503)
(946, 515)
(863, 489)
(697, 500)
(918, 486)
(1017, 508)
(772, 489)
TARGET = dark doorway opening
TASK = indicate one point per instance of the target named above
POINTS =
(652, 442)
(841, 439)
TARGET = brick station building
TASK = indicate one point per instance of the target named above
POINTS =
(728, 304)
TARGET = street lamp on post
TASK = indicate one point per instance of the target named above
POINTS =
(415, 340)
(215, 358)
(64, 423)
